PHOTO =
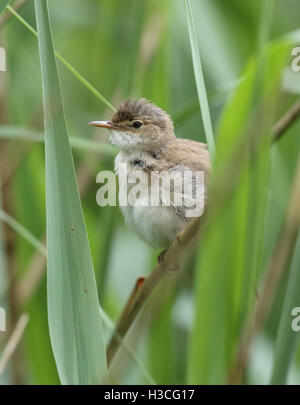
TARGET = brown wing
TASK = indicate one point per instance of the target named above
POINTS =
(188, 153)
(184, 154)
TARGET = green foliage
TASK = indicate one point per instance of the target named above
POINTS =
(229, 57)
(226, 282)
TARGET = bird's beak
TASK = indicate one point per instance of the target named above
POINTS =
(102, 124)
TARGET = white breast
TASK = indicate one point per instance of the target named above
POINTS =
(157, 225)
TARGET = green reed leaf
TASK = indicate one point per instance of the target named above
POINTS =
(73, 308)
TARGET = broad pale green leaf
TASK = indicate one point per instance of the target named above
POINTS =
(73, 307)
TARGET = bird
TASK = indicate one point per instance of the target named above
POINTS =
(144, 133)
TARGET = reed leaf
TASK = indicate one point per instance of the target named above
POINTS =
(73, 308)
(201, 89)
(15, 225)
(13, 132)
(225, 282)
(75, 72)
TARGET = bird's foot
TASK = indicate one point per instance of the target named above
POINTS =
(178, 238)
(169, 267)
(160, 257)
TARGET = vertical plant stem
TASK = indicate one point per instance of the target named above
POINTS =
(13, 342)
(75, 72)
(201, 89)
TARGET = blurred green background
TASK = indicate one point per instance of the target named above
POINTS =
(191, 326)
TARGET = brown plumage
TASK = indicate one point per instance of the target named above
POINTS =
(145, 134)
(131, 110)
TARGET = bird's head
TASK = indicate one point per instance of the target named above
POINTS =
(139, 124)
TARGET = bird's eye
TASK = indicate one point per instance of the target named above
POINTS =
(137, 124)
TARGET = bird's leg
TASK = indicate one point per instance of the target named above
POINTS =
(169, 268)
(160, 257)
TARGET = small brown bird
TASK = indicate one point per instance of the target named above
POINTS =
(145, 135)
